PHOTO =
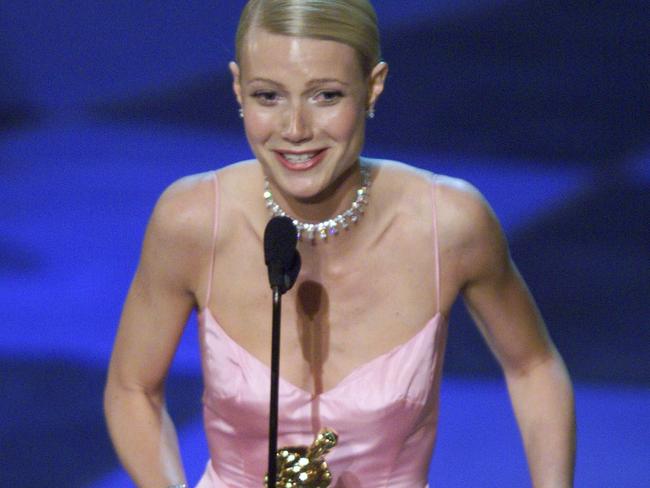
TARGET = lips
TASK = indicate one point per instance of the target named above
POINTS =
(300, 161)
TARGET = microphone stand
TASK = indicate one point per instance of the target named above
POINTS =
(275, 378)
(283, 261)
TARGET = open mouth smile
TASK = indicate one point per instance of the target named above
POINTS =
(300, 161)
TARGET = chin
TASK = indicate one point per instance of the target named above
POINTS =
(304, 192)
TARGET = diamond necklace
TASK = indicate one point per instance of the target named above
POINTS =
(329, 227)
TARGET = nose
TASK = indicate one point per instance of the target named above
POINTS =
(297, 126)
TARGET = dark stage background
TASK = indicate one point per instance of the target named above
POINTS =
(545, 106)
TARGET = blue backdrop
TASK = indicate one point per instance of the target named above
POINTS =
(545, 106)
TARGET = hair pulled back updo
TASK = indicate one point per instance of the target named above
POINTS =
(351, 22)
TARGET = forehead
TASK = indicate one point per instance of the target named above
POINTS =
(268, 55)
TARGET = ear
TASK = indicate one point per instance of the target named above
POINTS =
(377, 80)
(236, 80)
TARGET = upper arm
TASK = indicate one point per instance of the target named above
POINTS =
(493, 290)
(162, 293)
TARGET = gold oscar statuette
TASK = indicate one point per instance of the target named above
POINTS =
(305, 467)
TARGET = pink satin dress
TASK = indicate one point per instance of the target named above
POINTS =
(385, 411)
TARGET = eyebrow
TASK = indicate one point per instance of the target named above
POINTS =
(317, 81)
(321, 81)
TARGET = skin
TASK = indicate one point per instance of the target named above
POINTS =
(288, 107)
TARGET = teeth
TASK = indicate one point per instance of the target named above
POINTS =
(298, 158)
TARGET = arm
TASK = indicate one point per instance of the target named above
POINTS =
(158, 304)
(506, 314)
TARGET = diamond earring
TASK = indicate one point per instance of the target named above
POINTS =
(241, 113)
(371, 113)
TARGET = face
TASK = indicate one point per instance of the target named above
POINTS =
(304, 103)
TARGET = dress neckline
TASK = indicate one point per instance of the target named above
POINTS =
(356, 372)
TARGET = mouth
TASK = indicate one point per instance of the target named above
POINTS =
(300, 161)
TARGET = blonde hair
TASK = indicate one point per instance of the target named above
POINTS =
(351, 22)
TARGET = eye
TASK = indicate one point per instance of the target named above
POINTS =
(266, 97)
(328, 97)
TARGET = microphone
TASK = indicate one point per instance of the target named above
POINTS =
(280, 254)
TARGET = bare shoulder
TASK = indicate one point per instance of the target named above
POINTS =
(186, 207)
(238, 181)
(462, 207)
(183, 209)
(397, 174)
(458, 203)
(402, 186)
(471, 229)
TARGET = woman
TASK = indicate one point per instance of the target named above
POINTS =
(364, 326)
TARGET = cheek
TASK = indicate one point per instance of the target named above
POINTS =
(343, 124)
(258, 126)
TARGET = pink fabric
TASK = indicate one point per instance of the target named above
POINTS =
(385, 413)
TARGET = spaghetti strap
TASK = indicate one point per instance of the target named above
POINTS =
(215, 227)
(436, 246)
